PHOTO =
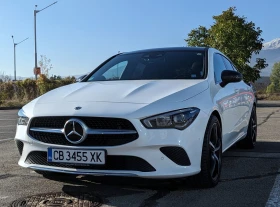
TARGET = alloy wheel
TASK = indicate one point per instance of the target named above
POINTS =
(215, 145)
(254, 126)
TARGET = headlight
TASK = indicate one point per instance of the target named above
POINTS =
(22, 118)
(179, 119)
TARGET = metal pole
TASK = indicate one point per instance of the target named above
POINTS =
(15, 74)
(35, 37)
(35, 42)
(15, 44)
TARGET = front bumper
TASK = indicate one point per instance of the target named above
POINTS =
(148, 147)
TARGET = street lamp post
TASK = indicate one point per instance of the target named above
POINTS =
(15, 44)
(35, 36)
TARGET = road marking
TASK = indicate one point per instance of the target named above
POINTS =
(2, 140)
(4, 197)
(274, 197)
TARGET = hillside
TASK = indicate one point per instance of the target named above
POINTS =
(271, 52)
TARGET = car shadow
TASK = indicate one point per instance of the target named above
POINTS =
(123, 182)
(261, 147)
(106, 187)
(111, 186)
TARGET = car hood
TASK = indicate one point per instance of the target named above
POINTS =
(144, 92)
(116, 98)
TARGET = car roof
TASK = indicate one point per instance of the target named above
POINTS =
(197, 49)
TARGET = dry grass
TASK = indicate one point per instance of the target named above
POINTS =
(273, 97)
(13, 103)
(18, 93)
(265, 96)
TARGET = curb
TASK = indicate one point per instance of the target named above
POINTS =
(10, 108)
(268, 103)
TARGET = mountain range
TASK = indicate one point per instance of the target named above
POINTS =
(271, 52)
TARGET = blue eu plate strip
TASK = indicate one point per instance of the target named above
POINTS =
(49, 154)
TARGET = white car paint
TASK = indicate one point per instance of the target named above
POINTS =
(135, 100)
(126, 91)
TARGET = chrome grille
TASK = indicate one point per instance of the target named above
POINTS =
(57, 122)
(100, 131)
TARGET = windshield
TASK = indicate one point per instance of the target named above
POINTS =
(152, 66)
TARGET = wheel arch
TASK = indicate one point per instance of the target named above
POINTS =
(217, 114)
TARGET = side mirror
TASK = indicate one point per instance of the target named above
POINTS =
(230, 76)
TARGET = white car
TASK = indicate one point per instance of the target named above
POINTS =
(157, 113)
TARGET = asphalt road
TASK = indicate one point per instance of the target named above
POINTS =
(248, 176)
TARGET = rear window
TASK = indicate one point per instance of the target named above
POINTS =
(153, 66)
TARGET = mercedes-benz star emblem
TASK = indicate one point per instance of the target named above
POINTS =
(75, 131)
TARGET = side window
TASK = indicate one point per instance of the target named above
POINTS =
(219, 66)
(115, 72)
(228, 64)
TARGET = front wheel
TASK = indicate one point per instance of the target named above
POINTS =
(211, 158)
(249, 141)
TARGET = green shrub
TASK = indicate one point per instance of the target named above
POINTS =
(271, 88)
(6, 90)
(28, 89)
(45, 84)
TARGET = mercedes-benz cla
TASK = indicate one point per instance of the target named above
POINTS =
(157, 113)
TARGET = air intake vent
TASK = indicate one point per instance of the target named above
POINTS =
(177, 155)
(19, 146)
(113, 162)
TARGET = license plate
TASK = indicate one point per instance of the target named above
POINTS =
(96, 157)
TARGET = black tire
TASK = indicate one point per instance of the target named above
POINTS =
(211, 158)
(249, 141)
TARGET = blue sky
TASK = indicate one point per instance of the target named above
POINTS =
(77, 35)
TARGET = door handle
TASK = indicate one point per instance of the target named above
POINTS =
(236, 90)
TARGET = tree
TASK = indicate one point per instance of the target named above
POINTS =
(55, 77)
(4, 77)
(274, 86)
(198, 37)
(45, 65)
(236, 38)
